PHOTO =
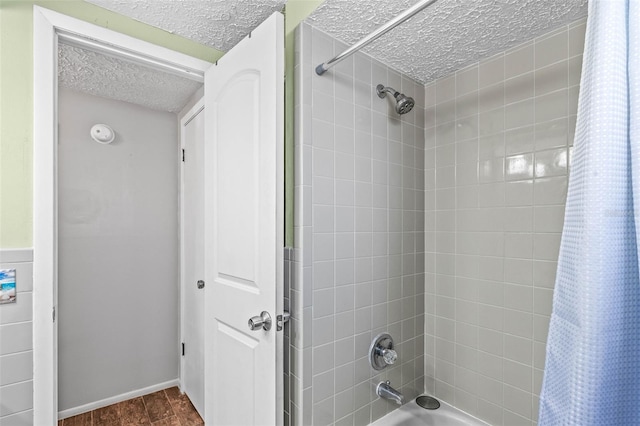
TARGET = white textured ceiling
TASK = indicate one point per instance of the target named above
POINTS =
(447, 35)
(441, 39)
(220, 24)
(105, 76)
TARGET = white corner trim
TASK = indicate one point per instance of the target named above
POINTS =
(16, 255)
(115, 399)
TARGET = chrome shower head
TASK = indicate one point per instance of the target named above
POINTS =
(404, 103)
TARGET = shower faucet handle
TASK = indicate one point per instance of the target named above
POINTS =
(382, 352)
(389, 356)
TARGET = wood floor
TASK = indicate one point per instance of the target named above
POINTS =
(163, 408)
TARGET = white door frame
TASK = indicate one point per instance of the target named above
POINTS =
(190, 114)
(48, 28)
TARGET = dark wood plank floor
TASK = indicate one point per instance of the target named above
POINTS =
(163, 408)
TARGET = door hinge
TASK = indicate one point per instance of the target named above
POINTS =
(183, 155)
(53, 314)
(182, 349)
(281, 320)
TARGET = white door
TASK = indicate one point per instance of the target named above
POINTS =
(244, 224)
(193, 258)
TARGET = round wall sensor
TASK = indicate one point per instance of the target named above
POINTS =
(102, 133)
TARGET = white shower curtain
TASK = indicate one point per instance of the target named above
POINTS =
(592, 372)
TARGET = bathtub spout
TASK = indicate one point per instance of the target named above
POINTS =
(384, 390)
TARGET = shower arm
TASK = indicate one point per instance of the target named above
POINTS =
(383, 29)
(383, 90)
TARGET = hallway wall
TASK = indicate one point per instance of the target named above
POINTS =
(118, 302)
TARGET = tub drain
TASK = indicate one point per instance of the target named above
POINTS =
(428, 402)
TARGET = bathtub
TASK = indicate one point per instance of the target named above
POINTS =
(411, 414)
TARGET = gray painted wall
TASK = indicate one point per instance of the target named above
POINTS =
(16, 343)
(499, 138)
(118, 250)
(359, 260)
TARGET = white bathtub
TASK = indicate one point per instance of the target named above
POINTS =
(411, 414)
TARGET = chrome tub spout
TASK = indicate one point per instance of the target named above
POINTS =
(384, 390)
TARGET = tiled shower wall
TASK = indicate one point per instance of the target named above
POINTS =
(16, 342)
(359, 228)
(498, 142)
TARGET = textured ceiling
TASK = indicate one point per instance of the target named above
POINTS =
(447, 35)
(439, 40)
(101, 75)
(216, 23)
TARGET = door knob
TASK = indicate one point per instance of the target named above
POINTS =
(263, 321)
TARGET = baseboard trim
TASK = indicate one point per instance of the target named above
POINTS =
(115, 399)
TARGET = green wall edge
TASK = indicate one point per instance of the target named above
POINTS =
(296, 12)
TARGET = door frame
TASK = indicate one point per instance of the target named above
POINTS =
(48, 28)
(186, 116)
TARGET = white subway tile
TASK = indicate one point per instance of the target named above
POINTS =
(519, 271)
(491, 71)
(519, 60)
(519, 141)
(551, 49)
(491, 170)
(544, 273)
(21, 310)
(518, 297)
(540, 328)
(323, 358)
(518, 401)
(519, 114)
(16, 368)
(546, 246)
(345, 298)
(323, 106)
(551, 78)
(519, 88)
(467, 105)
(491, 97)
(519, 193)
(491, 122)
(344, 166)
(445, 89)
(344, 139)
(518, 349)
(15, 337)
(467, 80)
(518, 323)
(16, 398)
(575, 71)
(551, 106)
(467, 127)
(490, 341)
(518, 219)
(24, 418)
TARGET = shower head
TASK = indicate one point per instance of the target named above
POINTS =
(404, 103)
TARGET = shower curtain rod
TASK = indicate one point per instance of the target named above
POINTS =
(422, 4)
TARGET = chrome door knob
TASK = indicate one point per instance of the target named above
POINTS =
(260, 322)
